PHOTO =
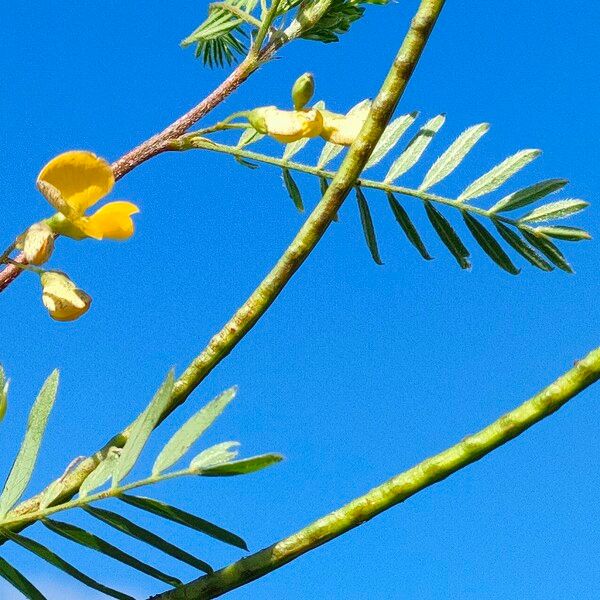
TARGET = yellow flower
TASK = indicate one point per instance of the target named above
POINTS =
(286, 125)
(343, 129)
(63, 299)
(73, 182)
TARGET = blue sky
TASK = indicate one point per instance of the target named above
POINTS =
(358, 371)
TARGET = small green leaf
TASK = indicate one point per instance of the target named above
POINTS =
(524, 249)
(184, 518)
(249, 136)
(246, 163)
(410, 157)
(390, 137)
(56, 561)
(292, 190)
(329, 152)
(192, 429)
(19, 581)
(448, 236)
(407, 226)
(367, 225)
(495, 177)
(242, 467)
(215, 455)
(571, 234)
(528, 195)
(143, 535)
(454, 155)
(489, 245)
(22, 468)
(102, 473)
(142, 428)
(89, 540)
(554, 210)
(548, 249)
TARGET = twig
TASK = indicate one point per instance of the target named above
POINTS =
(395, 490)
(158, 143)
(300, 248)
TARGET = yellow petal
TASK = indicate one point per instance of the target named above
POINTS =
(112, 221)
(81, 178)
(291, 125)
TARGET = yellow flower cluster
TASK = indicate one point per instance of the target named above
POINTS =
(292, 125)
(72, 182)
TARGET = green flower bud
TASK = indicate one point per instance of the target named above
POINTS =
(303, 90)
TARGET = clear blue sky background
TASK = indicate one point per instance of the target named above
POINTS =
(358, 371)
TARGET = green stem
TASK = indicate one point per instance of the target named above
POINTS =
(397, 489)
(17, 522)
(264, 28)
(298, 251)
(194, 141)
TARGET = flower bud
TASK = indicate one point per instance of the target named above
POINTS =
(63, 299)
(343, 129)
(303, 90)
(38, 243)
(286, 125)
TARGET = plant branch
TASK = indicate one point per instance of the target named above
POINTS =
(397, 489)
(300, 248)
(195, 141)
(158, 143)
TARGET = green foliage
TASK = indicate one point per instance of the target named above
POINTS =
(216, 461)
(338, 19)
(222, 38)
(530, 235)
